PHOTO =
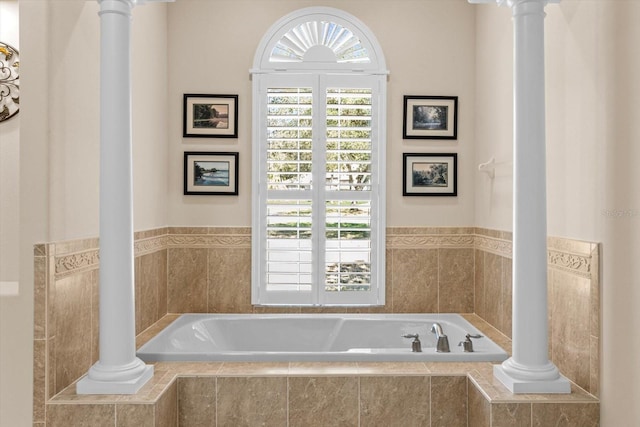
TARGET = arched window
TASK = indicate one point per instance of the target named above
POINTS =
(319, 107)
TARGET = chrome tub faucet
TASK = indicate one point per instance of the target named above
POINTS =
(442, 346)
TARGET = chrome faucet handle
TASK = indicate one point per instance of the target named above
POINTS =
(416, 346)
(467, 344)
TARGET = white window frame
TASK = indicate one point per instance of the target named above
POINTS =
(319, 76)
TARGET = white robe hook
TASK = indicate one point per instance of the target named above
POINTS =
(488, 167)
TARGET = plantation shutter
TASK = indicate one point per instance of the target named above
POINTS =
(318, 232)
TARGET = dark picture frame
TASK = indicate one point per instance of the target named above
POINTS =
(430, 117)
(211, 173)
(209, 116)
(430, 174)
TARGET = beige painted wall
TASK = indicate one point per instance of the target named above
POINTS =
(9, 171)
(10, 240)
(150, 115)
(75, 118)
(593, 102)
(493, 116)
(73, 69)
(429, 50)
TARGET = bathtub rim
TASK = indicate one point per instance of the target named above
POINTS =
(500, 354)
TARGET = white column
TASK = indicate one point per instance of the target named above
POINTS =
(529, 369)
(118, 371)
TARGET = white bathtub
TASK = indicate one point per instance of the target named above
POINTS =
(318, 337)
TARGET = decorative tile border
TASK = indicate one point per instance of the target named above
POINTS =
(66, 265)
(208, 241)
(572, 263)
(150, 245)
(573, 256)
(565, 254)
(450, 237)
(430, 241)
(494, 245)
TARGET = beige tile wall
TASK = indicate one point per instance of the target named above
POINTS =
(573, 293)
(351, 394)
(428, 270)
(574, 310)
(180, 270)
(161, 413)
(66, 308)
(491, 404)
(401, 401)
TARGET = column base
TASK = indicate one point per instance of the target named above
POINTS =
(556, 384)
(123, 381)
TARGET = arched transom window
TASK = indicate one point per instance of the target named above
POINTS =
(319, 41)
(319, 98)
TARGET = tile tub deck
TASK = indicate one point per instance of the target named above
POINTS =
(359, 394)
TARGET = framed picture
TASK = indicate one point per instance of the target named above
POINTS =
(430, 117)
(430, 174)
(209, 173)
(210, 116)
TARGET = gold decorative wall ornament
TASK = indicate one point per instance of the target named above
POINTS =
(9, 81)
